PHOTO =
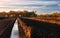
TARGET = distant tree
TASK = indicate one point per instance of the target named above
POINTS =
(25, 11)
(12, 14)
(29, 14)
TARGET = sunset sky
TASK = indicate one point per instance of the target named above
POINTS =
(41, 6)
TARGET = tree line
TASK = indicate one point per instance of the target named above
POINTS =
(26, 13)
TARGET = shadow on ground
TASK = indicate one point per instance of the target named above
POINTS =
(42, 29)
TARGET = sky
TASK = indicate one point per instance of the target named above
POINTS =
(40, 6)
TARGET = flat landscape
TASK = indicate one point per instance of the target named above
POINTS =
(55, 20)
(38, 28)
(30, 25)
(6, 26)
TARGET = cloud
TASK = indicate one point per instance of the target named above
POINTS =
(35, 3)
(59, 5)
(29, 5)
(19, 7)
(4, 0)
(18, 3)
